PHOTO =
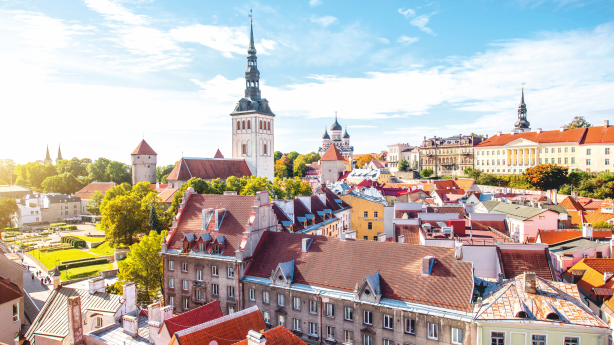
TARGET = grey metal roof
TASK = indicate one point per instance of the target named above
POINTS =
(114, 334)
(490, 204)
(13, 188)
(512, 210)
(555, 208)
(369, 198)
(574, 246)
(374, 282)
(287, 268)
(52, 319)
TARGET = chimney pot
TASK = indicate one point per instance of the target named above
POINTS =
(499, 133)
(255, 338)
(427, 265)
(539, 130)
(606, 123)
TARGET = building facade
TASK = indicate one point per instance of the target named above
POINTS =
(337, 139)
(46, 208)
(144, 160)
(253, 122)
(395, 155)
(448, 156)
(367, 215)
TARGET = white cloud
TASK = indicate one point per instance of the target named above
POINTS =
(407, 40)
(41, 31)
(421, 21)
(224, 39)
(407, 13)
(383, 40)
(324, 21)
(113, 11)
(314, 3)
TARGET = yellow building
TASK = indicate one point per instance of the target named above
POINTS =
(367, 215)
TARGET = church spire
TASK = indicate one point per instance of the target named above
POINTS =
(252, 75)
(59, 154)
(522, 125)
(48, 157)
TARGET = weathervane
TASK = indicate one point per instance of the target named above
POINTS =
(250, 15)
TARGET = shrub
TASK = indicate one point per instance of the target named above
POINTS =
(75, 242)
(79, 260)
(68, 227)
(55, 225)
(83, 263)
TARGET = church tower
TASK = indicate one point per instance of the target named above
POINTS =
(522, 125)
(144, 160)
(48, 157)
(59, 156)
(253, 122)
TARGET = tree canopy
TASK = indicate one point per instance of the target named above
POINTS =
(363, 160)
(578, 122)
(93, 206)
(426, 173)
(8, 207)
(403, 165)
(546, 176)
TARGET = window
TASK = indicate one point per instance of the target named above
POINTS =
(330, 310)
(231, 292)
(498, 338)
(540, 161)
(547, 160)
(185, 284)
(199, 275)
(388, 342)
(214, 271)
(252, 294)
(348, 337)
(366, 238)
(375, 214)
(243, 124)
(184, 266)
(607, 150)
(280, 300)
(572, 341)
(269, 125)
(370, 225)
(573, 160)
(313, 329)
(559, 160)
(296, 324)
(231, 272)
(267, 317)
(388, 322)
(281, 320)
(260, 124)
(349, 314)
(244, 149)
(171, 265)
(98, 322)
(313, 306)
(367, 339)
(585, 256)
(215, 289)
(266, 297)
(457, 335)
(366, 213)
(588, 152)
(171, 283)
(296, 303)
(573, 149)
(588, 162)
(249, 124)
(433, 331)
(265, 149)
(198, 295)
(566, 149)
(216, 249)
(185, 304)
(171, 300)
(238, 125)
(330, 332)
(231, 309)
(201, 247)
(368, 318)
(538, 339)
(546, 150)
(566, 160)
(15, 312)
(559, 150)
(607, 161)
(410, 326)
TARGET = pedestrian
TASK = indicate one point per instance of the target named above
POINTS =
(32, 276)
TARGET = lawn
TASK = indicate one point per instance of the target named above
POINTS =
(86, 271)
(103, 250)
(50, 259)
(91, 239)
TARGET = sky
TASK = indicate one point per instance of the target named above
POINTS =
(96, 76)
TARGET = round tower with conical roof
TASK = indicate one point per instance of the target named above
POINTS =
(144, 160)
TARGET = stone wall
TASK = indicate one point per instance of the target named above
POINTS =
(406, 175)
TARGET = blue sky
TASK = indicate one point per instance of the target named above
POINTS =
(97, 75)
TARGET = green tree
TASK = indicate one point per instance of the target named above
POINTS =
(143, 266)
(118, 172)
(65, 183)
(236, 184)
(111, 194)
(163, 171)
(153, 219)
(123, 218)
(426, 173)
(200, 186)
(5, 171)
(98, 170)
(281, 169)
(403, 165)
(93, 206)
(363, 160)
(292, 156)
(578, 122)
(546, 176)
(300, 167)
(73, 166)
(277, 155)
(8, 207)
(32, 174)
(603, 225)
(217, 186)
(141, 189)
(294, 187)
(254, 185)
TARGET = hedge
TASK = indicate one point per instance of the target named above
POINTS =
(79, 260)
(84, 263)
(56, 248)
(68, 227)
(52, 225)
(73, 241)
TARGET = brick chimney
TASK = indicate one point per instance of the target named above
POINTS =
(130, 325)
(96, 285)
(75, 323)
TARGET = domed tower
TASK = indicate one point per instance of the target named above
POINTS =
(144, 160)
(335, 130)
(325, 138)
(522, 125)
(346, 137)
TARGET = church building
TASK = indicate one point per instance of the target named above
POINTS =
(341, 141)
(253, 122)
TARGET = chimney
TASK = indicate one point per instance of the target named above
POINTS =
(166, 313)
(75, 323)
(500, 278)
(401, 239)
(381, 237)
(574, 195)
(555, 199)
(154, 312)
(607, 276)
(342, 234)
(427, 265)
(130, 325)
(530, 283)
(96, 285)
(606, 123)
(306, 243)
(587, 230)
(539, 130)
(478, 302)
(129, 291)
(562, 128)
(157, 184)
(499, 133)
(255, 338)
(513, 132)
(458, 250)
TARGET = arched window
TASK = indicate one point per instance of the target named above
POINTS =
(269, 126)
(244, 149)
(243, 124)
(249, 124)
(265, 149)
(238, 125)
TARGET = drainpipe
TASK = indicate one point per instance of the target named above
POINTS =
(239, 288)
(321, 320)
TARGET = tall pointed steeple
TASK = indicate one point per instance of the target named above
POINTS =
(59, 154)
(252, 75)
(522, 125)
(48, 157)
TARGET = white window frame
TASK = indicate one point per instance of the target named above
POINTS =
(186, 304)
(296, 303)
(15, 312)
(504, 336)
(215, 289)
(330, 332)
(348, 336)
(231, 272)
(252, 294)
(313, 306)
(214, 271)
(350, 311)
(201, 247)
(198, 295)
(538, 334)
(199, 275)
(455, 335)
(266, 297)
(388, 342)
(313, 329)
(171, 265)
(281, 320)
(435, 329)
(572, 336)
(184, 266)
(296, 325)
(171, 283)
(99, 322)
(412, 324)
(388, 321)
(231, 291)
(267, 317)
(281, 299)
(171, 301)
(367, 339)
(330, 310)
(369, 318)
(185, 284)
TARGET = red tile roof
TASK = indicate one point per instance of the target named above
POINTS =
(516, 262)
(567, 136)
(279, 335)
(226, 330)
(205, 313)
(484, 224)
(590, 204)
(208, 169)
(238, 212)
(218, 154)
(332, 154)
(599, 134)
(143, 149)
(411, 233)
(447, 209)
(449, 286)
(9, 291)
(86, 192)
(464, 183)
(168, 195)
(559, 235)
(378, 164)
(571, 204)
(368, 183)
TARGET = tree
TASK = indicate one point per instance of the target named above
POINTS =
(292, 156)
(254, 185)
(98, 170)
(300, 167)
(123, 218)
(281, 169)
(295, 187)
(153, 219)
(65, 183)
(118, 172)
(32, 174)
(603, 225)
(364, 160)
(163, 171)
(73, 166)
(8, 207)
(217, 186)
(111, 194)
(143, 266)
(5, 171)
(426, 173)
(546, 176)
(93, 206)
(403, 165)
(277, 155)
(578, 122)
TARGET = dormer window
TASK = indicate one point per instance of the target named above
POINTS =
(201, 247)
(216, 249)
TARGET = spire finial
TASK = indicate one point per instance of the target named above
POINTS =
(335, 114)
(251, 35)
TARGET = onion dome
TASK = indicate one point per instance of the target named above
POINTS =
(346, 135)
(326, 136)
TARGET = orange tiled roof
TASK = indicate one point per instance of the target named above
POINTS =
(208, 169)
(594, 270)
(202, 314)
(566, 136)
(332, 154)
(279, 335)
(599, 134)
(590, 204)
(580, 217)
(167, 195)
(465, 183)
(86, 192)
(143, 149)
(553, 236)
(571, 204)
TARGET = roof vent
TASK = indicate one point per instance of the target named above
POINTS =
(499, 133)
(530, 282)
(427, 265)
(539, 130)
(306, 244)
(562, 128)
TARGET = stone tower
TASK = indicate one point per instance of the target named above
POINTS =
(522, 125)
(144, 160)
(253, 122)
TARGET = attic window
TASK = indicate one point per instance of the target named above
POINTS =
(280, 278)
(552, 316)
(367, 292)
(217, 249)
(522, 315)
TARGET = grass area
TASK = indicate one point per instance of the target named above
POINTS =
(98, 227)
(86, 271)
(50, 259)
(103, 250)
(91, 239)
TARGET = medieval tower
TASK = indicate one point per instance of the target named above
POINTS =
(253, 124)
(144, 160)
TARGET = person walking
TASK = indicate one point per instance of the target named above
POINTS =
(32, 276)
